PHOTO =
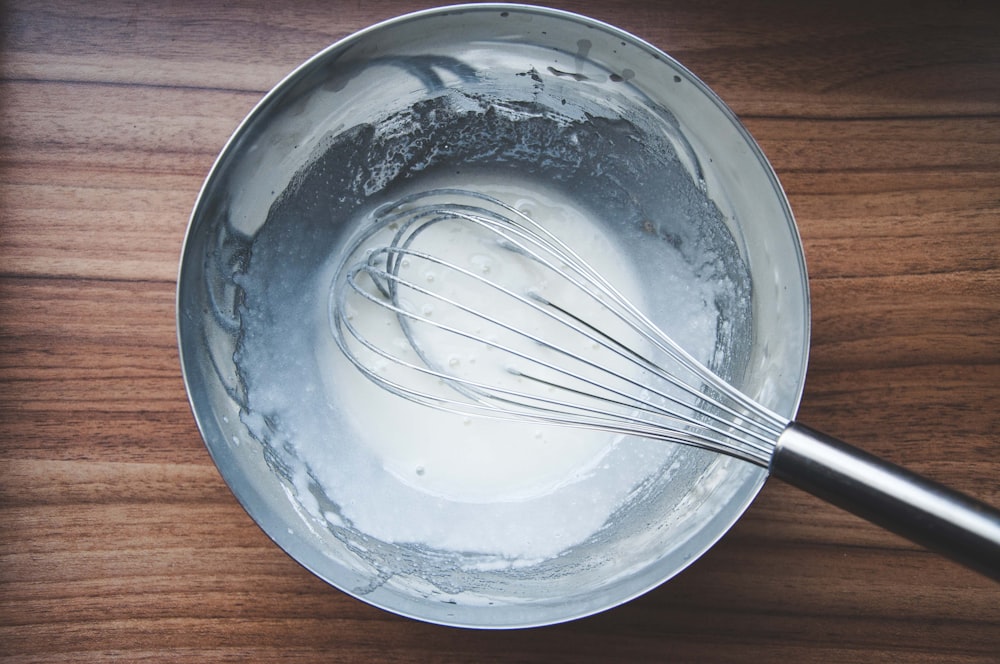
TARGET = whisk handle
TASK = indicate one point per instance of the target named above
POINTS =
(899, 500)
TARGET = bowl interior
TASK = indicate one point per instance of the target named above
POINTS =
(511, 98)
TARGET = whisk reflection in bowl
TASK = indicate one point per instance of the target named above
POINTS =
(567, 348)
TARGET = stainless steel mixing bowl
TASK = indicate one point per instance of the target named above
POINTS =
(544, 98)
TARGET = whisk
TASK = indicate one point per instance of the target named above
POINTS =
(519, 326)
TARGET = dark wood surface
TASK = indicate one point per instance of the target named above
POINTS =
(119, 540)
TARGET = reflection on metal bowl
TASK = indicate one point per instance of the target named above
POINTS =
(537, 105)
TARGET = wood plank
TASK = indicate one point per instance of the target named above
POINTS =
(119, 540)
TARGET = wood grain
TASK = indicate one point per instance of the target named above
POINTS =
(119, 540)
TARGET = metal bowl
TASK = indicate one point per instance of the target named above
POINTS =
(534, 96)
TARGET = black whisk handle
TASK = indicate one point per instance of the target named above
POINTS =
(939, 518)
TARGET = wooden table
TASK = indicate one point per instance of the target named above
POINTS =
(119, 540)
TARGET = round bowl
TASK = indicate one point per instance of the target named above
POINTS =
(521, 98)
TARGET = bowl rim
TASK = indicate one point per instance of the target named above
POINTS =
(260, 513)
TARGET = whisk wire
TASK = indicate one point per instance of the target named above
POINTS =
(724, 420)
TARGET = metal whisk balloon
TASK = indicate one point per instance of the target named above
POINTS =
(546, 338)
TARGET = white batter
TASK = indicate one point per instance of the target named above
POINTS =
(406, 473)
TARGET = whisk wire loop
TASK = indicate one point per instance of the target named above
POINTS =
(702, 410)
